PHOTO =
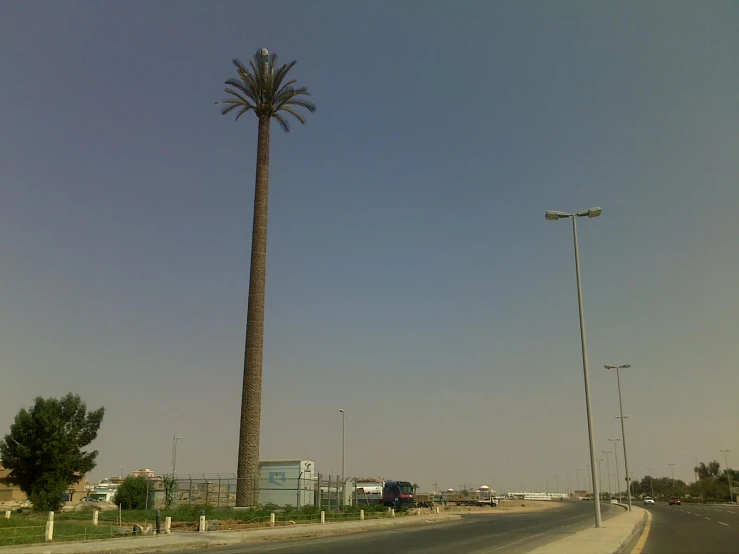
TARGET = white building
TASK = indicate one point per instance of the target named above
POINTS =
(287, 482)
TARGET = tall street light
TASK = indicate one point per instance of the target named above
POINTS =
(553, 216)
(567, 477)
(728, 473)
(623, 432)
(672, 470)
(175, 438)
(618, 479)
(577, 483)
(651, 482)
(342, 445)
(600, 473)
(608, 469)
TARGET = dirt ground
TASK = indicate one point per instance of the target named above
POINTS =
(507, 506)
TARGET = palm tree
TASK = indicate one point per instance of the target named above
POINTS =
(264, 91)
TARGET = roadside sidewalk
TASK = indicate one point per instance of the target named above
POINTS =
(182, 541)
(615, 534)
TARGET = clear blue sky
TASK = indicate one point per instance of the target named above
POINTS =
(412, 278)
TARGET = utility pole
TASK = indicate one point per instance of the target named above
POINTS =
(728, 474)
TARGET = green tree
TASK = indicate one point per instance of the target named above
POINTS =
(44, 449)
(261, 89)
(132, 493)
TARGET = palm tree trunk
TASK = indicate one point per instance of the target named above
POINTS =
(247, 487)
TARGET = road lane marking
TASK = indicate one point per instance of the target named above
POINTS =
(708, 518)
(495, 548)
(722, 523)
(644, 534)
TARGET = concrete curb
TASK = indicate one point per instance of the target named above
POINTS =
(184, 541)
(615, 535)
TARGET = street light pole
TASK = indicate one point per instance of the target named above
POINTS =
(618, 479)
(175, 438)
(577, 483)
(343, 451)
(728, 474)
(608, 469)
(672, 470)
(600, 474)
(623, 431)
(651, 482)
(554, 215)
(567, 477)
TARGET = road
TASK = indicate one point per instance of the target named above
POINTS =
(692, 529)
(478, 534)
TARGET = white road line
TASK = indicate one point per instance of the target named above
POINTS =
(688, 512)
(708, 518)
(722, 523)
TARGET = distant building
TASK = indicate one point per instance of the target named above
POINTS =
(11, 493)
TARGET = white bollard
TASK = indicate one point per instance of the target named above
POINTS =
(389, 510)
(7, 514)
(168, 525)
(272, 519)
(361, 515)
(392, 512)
(323, 517)
(50, 528)
(95, 517)
(437, 509)
(202, 524)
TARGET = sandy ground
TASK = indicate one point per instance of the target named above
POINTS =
(508, 506)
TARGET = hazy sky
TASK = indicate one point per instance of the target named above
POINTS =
(412, 277)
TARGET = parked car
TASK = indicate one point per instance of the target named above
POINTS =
(674, 500)
(648, 500)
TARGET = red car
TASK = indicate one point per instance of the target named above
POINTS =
(674, 500)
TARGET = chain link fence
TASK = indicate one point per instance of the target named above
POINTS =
(219, 490)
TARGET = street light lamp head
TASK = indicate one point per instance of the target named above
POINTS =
(341, 410)
(553, 215)
(595, 212)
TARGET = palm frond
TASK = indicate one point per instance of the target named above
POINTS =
(283, 122)
(289, 109)
(230, 107)
(237, 95)
(243, 111)
(243, 87)
(281, 74)
(308, 105)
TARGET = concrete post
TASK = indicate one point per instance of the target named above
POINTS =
(50, 528)
(201, 527)
(389, 510)
(272, 519)
(95, 517)
(168, 525)
(361, 515)
(7, 514)
(437, 509)
(323, 516)
(392, 512)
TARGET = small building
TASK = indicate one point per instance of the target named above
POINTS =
(287, 482)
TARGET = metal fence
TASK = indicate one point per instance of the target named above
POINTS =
(219, 490)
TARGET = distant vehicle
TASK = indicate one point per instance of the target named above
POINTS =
(648, 500)
(614, 501)
(89, 499)
(674, 500)
(398, 495)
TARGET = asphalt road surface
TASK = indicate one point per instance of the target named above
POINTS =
(692, 529)
(474, 534)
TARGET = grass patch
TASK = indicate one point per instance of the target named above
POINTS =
(30, 530)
